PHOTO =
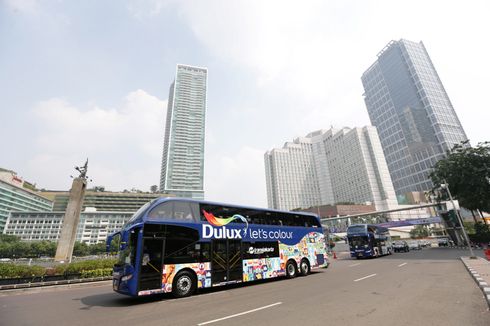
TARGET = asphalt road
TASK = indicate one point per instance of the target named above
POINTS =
(428, 287)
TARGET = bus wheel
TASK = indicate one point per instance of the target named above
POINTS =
(304, 267)
(183, 285)
(291, 269)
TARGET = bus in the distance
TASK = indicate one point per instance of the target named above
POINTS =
(367, 240)
(177, 245)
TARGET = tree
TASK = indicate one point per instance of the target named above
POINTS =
(9, 238)
(80, 249)
(481, 234)
(154, 189)
(419, 232)
(466, 170)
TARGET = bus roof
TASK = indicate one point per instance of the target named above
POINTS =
(163, 199)
(356, 227)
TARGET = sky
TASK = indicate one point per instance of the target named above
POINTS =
(90, 79)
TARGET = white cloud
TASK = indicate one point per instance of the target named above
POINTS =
(142, 9)
(24, 6)
(316, 52)
(237, 178)
(123, 144)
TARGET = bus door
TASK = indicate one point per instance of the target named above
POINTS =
(226, 261)
(151, 264)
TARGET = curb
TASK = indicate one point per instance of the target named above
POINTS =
(52, 283)
(479, 281)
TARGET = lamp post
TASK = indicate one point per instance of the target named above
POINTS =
(446, 186)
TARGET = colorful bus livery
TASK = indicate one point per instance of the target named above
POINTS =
(180, 245)
(366, 240)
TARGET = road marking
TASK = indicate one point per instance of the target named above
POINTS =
(365, 277)
(355, 265)
(239, 314)
(402, 265)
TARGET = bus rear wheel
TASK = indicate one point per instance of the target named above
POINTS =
(184, 285)
(291, 269)
(304, 267)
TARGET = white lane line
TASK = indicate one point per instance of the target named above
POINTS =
(194, 296)
(355, 265)
(402, 265)
(242, 313)
(365, 277)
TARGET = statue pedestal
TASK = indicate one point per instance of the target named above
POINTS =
(69, 227)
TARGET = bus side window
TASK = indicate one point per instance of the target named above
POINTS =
(288, 219)
(182, 211)
(205, 252)
(162, 211)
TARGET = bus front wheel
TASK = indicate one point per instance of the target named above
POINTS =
(304, 267)
(291, 269)
(184, 284)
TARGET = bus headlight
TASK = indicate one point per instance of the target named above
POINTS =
(126, 278)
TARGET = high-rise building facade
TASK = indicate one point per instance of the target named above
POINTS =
(105, 201)
(182, 172)
(415, 119)
(94, 227)
(15, 196)
(328, 167)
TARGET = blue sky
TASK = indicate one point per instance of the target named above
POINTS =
(90, 79)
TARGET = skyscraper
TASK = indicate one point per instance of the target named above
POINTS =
(415, 119)
(328, 167)
(182, 171)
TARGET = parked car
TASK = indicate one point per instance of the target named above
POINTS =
(414, 245)
(424, 243)
(443, 242)
(400, 246)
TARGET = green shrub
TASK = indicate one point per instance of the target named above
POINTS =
(10, 270)
(101, 272)
(89, 265)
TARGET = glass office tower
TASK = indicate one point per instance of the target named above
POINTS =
(182, 171)
(415, 119)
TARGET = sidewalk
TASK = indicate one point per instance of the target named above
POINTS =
(480, 271)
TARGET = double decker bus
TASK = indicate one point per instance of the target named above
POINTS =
(367, 240)
(177, 245)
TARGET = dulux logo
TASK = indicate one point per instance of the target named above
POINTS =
(218, 229)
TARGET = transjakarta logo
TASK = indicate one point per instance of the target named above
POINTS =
(258, 251)
(218, 230)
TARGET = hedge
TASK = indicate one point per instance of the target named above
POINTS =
(86, 269)
(9, 270)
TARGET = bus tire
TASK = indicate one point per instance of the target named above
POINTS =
(184, 284)
(291, 269)
(304, 267)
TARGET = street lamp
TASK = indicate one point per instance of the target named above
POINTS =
(446, 186)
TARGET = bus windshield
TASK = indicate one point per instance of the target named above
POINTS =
(358, 241)
(138, 213)
(356, 229)
(128, 252)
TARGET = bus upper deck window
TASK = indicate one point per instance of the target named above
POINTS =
(162, 211)
(182, 211)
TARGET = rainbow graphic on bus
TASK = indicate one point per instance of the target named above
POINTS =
(217, 221)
